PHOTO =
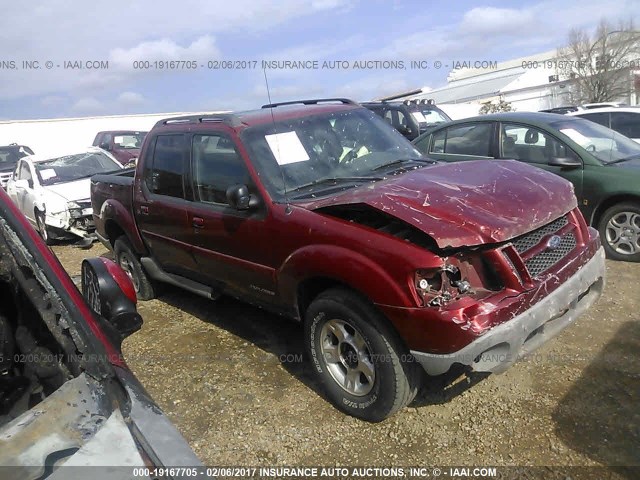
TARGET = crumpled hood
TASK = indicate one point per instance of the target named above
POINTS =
(72, 191)
(467, 203)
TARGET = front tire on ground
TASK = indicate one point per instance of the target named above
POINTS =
(358, 358)
(129, 262)
(619, 229)
(42, 228)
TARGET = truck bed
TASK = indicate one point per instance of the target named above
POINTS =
(117, 188)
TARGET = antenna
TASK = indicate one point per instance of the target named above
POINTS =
(287, 209)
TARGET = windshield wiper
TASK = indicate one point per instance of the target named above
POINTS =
(384, 166)
(335, 181)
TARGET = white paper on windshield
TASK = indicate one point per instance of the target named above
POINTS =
(47, 173)
(420, 118)
(575, 136)
(118, 139)
(287, 148)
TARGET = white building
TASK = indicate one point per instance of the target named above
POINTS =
(61, 135)
(529, 84)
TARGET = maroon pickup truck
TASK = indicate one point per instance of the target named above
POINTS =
(122, 144)
(320, 211)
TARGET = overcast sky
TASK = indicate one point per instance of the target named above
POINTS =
(205, 32)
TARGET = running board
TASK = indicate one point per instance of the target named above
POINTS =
(156, 272)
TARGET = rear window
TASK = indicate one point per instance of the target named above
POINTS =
(165, 174)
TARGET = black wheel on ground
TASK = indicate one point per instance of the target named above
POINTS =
(360, 361)
(619, 229)
(43, 230)
(130, 263)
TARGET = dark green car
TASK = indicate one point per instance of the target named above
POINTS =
(603, 165)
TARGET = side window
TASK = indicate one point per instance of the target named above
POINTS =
(627, 123)
(403, 121)
(165, 177)
(217, 166)
(601, 117)
(532, 145)
(388, 116)
(469, 139)
(423, 143)
(25, 173)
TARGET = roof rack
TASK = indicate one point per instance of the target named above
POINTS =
(226, 118)
(346, 101)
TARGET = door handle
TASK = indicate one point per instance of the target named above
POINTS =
(144, 210)
(197, 222)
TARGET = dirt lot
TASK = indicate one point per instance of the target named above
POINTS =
(233, 381)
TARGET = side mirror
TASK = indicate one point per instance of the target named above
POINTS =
(565, 162)
(238, 197)
(111, 295)
(24, 184)
(105, 146)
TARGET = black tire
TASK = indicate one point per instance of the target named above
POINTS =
(612, 226)
(42, 228)
(130, 263)
(396, 376)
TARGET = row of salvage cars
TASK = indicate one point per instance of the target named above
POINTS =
(446, 248)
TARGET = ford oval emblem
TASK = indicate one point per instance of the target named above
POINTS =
(553, 242)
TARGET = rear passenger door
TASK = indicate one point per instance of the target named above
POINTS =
(161, 207)
(232, 247)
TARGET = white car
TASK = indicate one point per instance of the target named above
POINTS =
(53, 192)
(624, 120)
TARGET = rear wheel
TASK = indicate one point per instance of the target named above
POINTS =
(43, 230)
(129, 262)
(620, 232)
(362, 365)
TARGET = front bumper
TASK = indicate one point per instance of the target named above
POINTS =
(503, 345)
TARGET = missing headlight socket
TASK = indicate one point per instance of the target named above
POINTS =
(442, 285)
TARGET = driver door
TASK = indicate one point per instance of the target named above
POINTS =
(24, 197)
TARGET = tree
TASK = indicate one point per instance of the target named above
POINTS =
(600, 64)
(491, 107)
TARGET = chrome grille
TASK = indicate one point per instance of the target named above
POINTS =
(4, 178)
(542, 262)
(530, 240)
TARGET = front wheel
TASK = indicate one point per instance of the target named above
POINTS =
(620, 232)
(128, 261)
(362, 365)
(43, 230)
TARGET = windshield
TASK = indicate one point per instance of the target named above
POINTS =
(428, 117)
(130, 141)
(602, 142)
(349, 146)
(10, 155)
(74, 167)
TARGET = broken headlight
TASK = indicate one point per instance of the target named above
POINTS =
(75, 210)
(459, 277)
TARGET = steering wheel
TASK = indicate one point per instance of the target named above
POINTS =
(352, 154)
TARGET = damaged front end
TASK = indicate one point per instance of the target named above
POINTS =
(76, 220)
(486, 304)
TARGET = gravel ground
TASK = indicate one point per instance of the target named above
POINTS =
(233, 380)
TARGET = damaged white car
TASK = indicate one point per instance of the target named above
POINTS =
(53, 192)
